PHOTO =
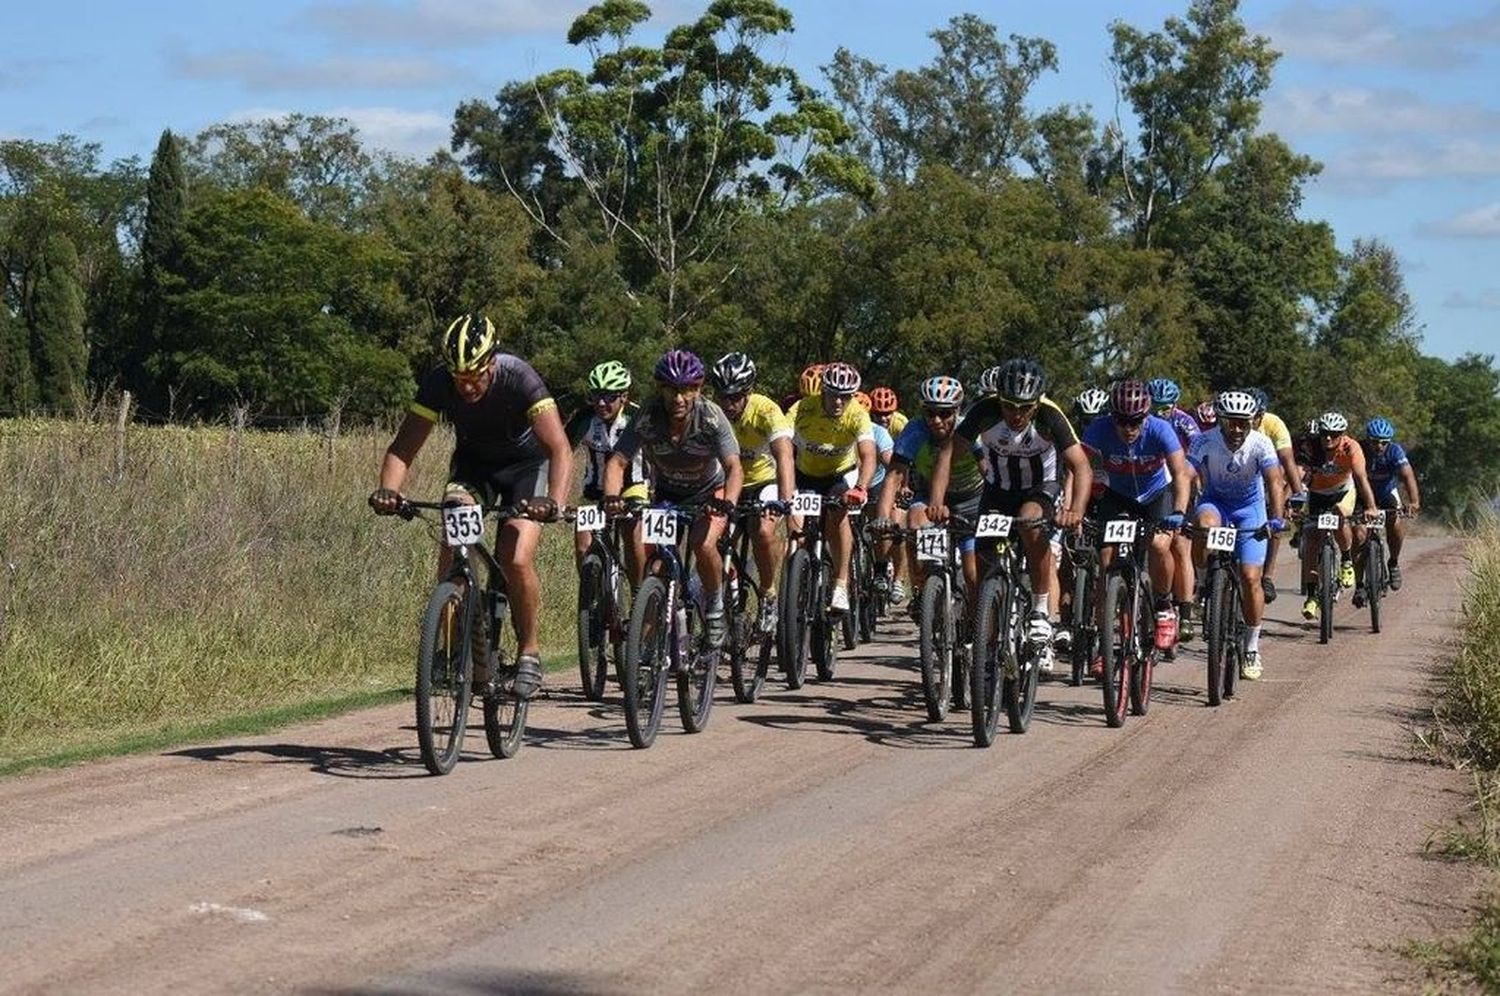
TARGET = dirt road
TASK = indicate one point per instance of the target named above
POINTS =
(822, 840)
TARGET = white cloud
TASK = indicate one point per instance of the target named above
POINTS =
(1369, 111)
(443, 23)
(1482, 222)
(1366, 35)
(261, 70)
(404, 132)
(1485, 300)
(1376, 168)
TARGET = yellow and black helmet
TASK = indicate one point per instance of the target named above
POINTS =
(468, 344)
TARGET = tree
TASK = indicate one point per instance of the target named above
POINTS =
(316, 162)
(17, 381)
(965, 110)
(1459, 463)
(1195, 87)
(278, 310)
(57, 317)
(668, 147)
(166, 207)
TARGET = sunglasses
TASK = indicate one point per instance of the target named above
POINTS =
(942, 413)
(1130, 421)
(606, 397)
(1017, 406)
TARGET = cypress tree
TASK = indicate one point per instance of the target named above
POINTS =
(161, 258)
(57, 314)
(17, 381)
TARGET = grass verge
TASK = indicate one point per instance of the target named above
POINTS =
(1466, 734)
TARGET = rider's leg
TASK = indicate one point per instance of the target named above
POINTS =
(515, 551)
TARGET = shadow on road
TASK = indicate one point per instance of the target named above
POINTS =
(342, 762)
(512, 983)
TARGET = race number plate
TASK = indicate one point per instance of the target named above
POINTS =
(590, 518)
(1119, 531)
(932, 544)
(993, 525)
(659, 527)
(1328, 520)
(807, 503)
(463, 525)
(1222, 538)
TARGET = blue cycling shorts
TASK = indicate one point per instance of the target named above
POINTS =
(1246, 518)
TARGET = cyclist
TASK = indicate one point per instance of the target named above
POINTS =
(612, 411)
(1205, 416)
(1275, 429)
(1238, 473)
(1336, 479)
(1089, 405)
(765, 440)
(885, 445)
(1146, 476)
(694, 459)
(885, 411)
(1390, 473)
(1024, 442)
(1164, 397)
(912, 467)
(510, 449)
(835, 443)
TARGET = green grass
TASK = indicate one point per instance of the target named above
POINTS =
(1466, 733)
(224, 576)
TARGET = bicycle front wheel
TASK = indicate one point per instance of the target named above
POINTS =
(796, 613)
(445, 660)
(935, 649)
(1115, 635)
(1216, 632)
(1374, 580)
(987, 678)
(1022, 666)
(593, 636)
(643, 669)
(1328, 586)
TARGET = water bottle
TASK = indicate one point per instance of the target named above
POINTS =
(682, 633)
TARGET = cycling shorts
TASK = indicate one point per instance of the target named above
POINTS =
(640, 491)
(967, 506)
(1342, 501)
(1250, 550)
(497, 486)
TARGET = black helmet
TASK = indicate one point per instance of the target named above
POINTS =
(1021, 381)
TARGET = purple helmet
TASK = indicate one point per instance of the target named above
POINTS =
(680, 368)
(1130, 398)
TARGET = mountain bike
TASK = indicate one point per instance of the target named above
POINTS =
(807, 627)
(1223, 607)
(666, 636)
(944, 638)
(860, 582)
(602, 614)
(1326, 574)
(1127, 621)
(1006, 666)
(1376, 580)
(465, 618)
(750, 647)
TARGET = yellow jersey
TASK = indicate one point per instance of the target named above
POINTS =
(1275, 428)
(826, 444)
(898, 422)
(761, 423)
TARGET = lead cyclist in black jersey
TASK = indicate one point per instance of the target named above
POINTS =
(510, 450)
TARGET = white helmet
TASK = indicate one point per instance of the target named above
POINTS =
(1332, 422)
(1234, 404)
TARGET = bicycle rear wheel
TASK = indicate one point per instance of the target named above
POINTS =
(593, 635)
(445, 661)
(1115, 635)
(935, 649)
(1082, 623)
(1328, 586)
(748, 659)
(795, 634)
(1216, 632)
(825, 628)
(643, 669)
(504, 714)
(849, 622)
(697, 676)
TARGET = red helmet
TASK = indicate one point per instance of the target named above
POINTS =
(1130, 398)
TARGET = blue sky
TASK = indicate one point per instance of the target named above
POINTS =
(1401, 104)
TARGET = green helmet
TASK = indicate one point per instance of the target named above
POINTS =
(611, 375)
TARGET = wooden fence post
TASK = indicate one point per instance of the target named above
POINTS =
(120, 422)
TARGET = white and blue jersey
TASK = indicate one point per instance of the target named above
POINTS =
(1384, 468)
(884, 444)
(1233, 485)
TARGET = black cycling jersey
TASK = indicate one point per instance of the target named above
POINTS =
(495, 430)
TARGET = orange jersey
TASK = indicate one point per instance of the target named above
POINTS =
(1335, 472)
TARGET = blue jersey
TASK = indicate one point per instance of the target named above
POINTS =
(915, 449)
(1137, 470)
(1384, 469)
(884, 444)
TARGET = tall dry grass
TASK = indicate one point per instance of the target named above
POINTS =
(225, 571)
